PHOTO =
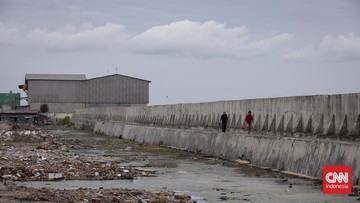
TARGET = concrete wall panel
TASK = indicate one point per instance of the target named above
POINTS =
(332, 115)
(303, 156)
(286, 137)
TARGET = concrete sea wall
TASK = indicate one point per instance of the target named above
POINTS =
(298, 155)
(328, 115)
(289, 133)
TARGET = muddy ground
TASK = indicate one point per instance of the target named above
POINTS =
(53, 153)
(43, 153)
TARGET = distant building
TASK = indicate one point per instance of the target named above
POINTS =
(64, 93)
(9, 100)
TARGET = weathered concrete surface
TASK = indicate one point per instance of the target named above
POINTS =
(304, 156)
(331, 115)
(286, 130)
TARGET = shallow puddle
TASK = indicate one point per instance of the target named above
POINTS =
(203, 182)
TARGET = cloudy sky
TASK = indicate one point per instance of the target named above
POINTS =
(192, 51)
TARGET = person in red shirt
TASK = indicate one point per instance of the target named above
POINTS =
(249, 119)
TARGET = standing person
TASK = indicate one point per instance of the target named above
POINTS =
(224, 119)
(249, 119)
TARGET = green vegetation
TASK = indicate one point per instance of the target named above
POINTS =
(23, 142)
(66, 121)
(44, 108)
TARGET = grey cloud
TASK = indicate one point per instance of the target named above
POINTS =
(182, 38)
(66, 39)
(331, 49)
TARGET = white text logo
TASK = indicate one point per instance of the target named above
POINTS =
(333, 177)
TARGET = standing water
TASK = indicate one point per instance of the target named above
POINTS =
(204, 179)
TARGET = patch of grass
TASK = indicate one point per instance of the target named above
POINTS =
(23, 143)
(66, 122)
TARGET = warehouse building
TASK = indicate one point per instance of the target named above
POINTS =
(63, 93)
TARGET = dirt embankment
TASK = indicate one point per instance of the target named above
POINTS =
(30, 153)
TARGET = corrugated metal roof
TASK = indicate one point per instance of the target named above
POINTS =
(55, 77)
(120, 76)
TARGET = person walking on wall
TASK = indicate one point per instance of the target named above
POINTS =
(249, 119)
(224, 119)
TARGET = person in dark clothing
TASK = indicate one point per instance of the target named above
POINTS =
(224, 119)
(249, 119)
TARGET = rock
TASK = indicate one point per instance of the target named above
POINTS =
(64, 148)
(44, 147)
(244, 162)
(55, 176)
(5, 126)
(224, 198)
(6, 176)
(117, 200)
(162, 200)
(127, 176)
(179, 195)
(95, 200)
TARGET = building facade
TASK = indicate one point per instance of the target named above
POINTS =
(9, 100)
(64, 93)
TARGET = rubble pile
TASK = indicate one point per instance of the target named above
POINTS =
(23, 135)
(4, 126)
(42, 161)
(86, 195)
(29, 153)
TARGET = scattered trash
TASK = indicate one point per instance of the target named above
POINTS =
(6, 176)
(55, 176)
(244, 162)
(128, 148)
(42, 156)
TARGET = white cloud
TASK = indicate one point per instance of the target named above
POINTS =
(208, 39)
(67, 38)
(8, 34)
(184, 38)
(340, 48)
